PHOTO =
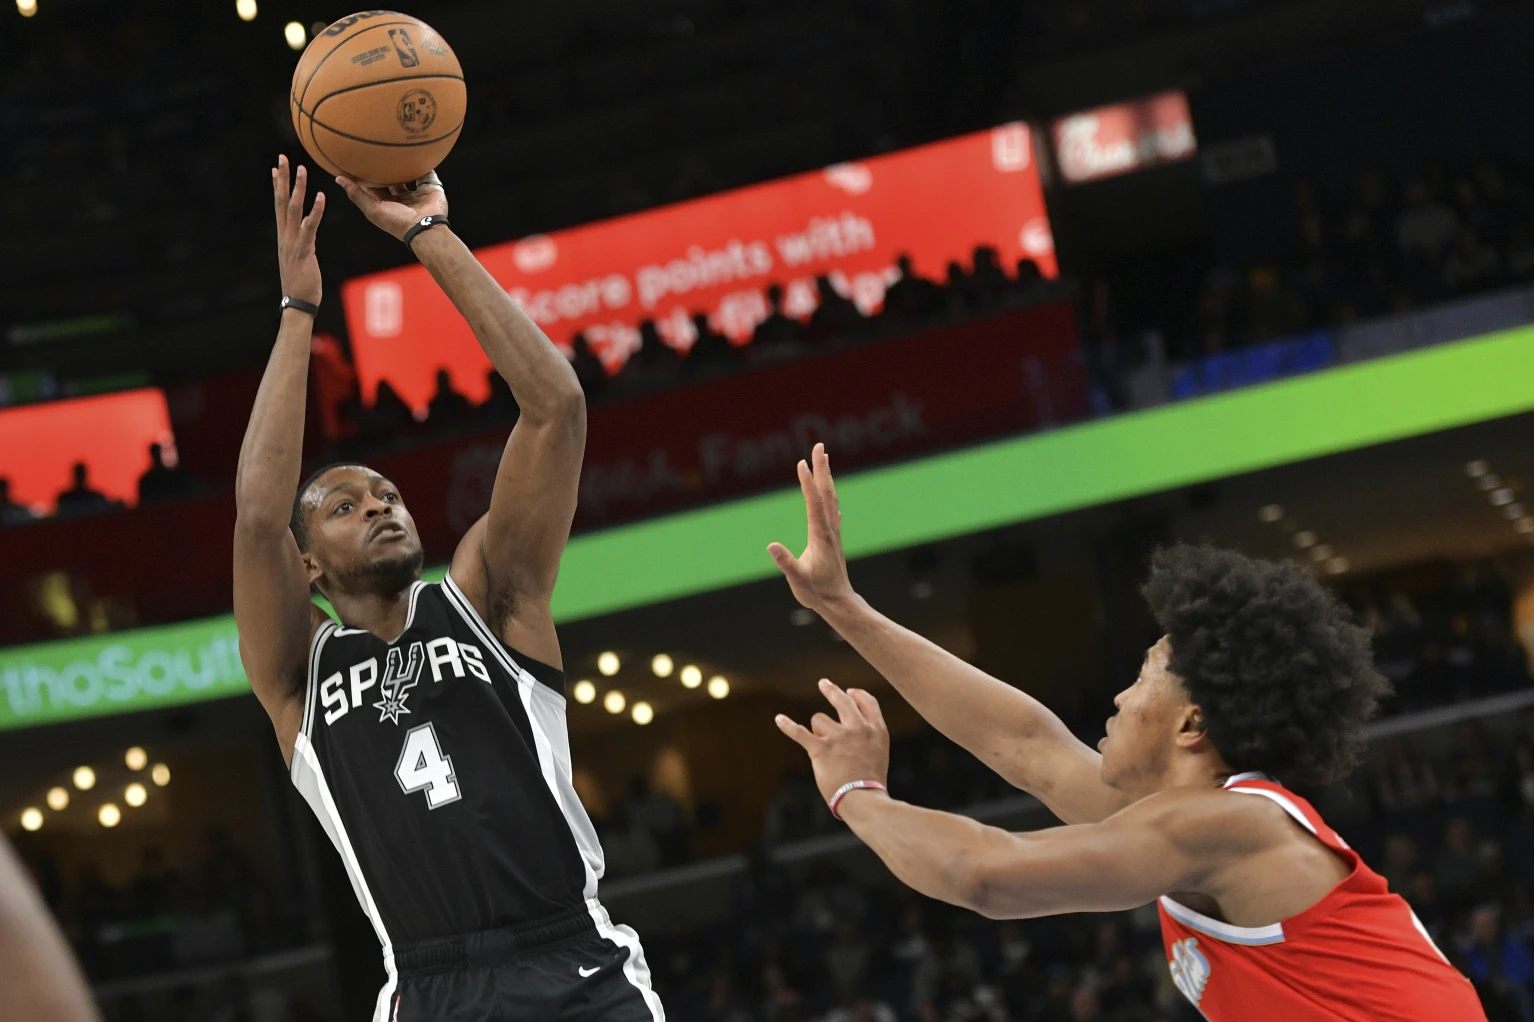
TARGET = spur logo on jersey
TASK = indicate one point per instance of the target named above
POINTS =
(1190, 969)
(399, 679)
(343, 692)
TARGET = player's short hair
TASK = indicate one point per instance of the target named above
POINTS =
(298, 521)
(1282, 675)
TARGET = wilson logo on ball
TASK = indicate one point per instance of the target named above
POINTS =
(416, 112)
(350, 20)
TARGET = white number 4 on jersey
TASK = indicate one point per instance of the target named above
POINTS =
(422, 767)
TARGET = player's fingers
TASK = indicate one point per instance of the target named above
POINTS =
(355, 192)
(828, 489)
(296, 199)
(822, 725)
(787, 563)
(280, 190)
(311, 222)
(814, 506)
(846, 709)
(869, 707)
(798, 732)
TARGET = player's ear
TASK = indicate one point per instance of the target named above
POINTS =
(312, 570)
(1191, 727)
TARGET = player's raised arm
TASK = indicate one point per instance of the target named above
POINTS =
(1008, 730)
(42, 981)
(271, 589)
(508, 563)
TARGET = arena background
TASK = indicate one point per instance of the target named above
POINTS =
(1256, 272)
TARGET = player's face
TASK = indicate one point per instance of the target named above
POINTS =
(360, 532)
(1141, 735)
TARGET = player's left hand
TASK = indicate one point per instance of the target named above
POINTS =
(854, 747)
(396, 209)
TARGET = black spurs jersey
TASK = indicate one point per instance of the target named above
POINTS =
(439, 764)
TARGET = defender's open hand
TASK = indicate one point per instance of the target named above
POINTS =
(295, 233)
(854, 747)
(819, 575)
(395, 210)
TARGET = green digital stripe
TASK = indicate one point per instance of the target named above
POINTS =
(885, 509)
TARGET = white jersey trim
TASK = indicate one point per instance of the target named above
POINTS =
(1250, 935)
(636, 970)
(309, 779)
(311, 686)
(545, 714)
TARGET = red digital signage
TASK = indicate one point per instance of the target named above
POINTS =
(717, 255)
(1124, 137)
(111, 434)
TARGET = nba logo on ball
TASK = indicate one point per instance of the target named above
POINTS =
(417, 110)
(378, 97)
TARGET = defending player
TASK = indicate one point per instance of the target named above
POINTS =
(427, 728)
(1258, 682)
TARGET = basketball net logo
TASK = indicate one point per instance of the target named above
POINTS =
(403, 48)
(1190, 969)
(399, 678)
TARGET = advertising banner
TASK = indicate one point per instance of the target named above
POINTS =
(1124, 137)
(717, 255)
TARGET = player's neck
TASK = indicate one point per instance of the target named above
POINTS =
(384, 613)
(1190, 770)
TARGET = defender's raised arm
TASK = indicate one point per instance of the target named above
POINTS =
(1006, 729)
(271, 592)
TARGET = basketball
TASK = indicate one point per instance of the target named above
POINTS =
(378, 97)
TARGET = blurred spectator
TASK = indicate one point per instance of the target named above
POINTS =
(80, 499)
(661, 817)
(777, 336)
(447, 406)
(912, 298)
(12, 513)
(988, 278)
(834, 317)
(1426, 225)
(162, 482)
(335, 386)
(390, 417)
(1472, 265)
(1501, 967)
(500, 408)
(712, 351)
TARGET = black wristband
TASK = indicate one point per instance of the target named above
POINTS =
(427, 222)
(289, 302)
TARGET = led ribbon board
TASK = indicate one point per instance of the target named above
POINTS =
(918, 502)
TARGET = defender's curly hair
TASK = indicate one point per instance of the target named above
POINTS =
(1284, 678)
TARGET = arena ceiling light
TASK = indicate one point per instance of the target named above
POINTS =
(246, 9)
(84, 778)
(58, 799)
(294, 33)
(31, 818)
(718, 686)
(662, 665)
(1501, 496)
(136, 758)
(160, 775)
(1477, 468)
(608, 664)
(135, 794)
(585, 693)
(692, 677)
(643, 713)
(1270, 513)
(27, 9)
(109, 815)
(614, 702)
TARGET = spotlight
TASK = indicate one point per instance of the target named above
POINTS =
(1270, 513)
(614, 702)
(608, 664)
(31, 819)
(585, 692)
(1514, 511)
(718, 687)
(1338, 565)
(1305, 539)
(160, 775)
(923, 590)
(1320, 552)
(246, 9)
(1524, 525)
(691, 676)
(58, 799)
(643, 713)
(27, 9)
(85, 778)
(1489, 481)
(662, 665)
(294, 33)
(136, 758)
(1477, 468)
(1501, 496)
(135, 795)
(801, 616)
(109, 815)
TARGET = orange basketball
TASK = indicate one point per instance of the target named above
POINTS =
(378, 97)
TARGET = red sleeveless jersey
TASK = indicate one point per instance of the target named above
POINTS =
(1359, 954)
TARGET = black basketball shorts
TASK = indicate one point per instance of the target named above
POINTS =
(575, 967)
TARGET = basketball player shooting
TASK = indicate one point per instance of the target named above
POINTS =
(1259, 682)
(426, 727)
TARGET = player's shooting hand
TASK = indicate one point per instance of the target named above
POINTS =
(299, 266)
(853, 747)
(818, 576)
(396, 209)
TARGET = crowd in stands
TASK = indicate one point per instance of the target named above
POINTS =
(1373, 247)
(164, 481)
